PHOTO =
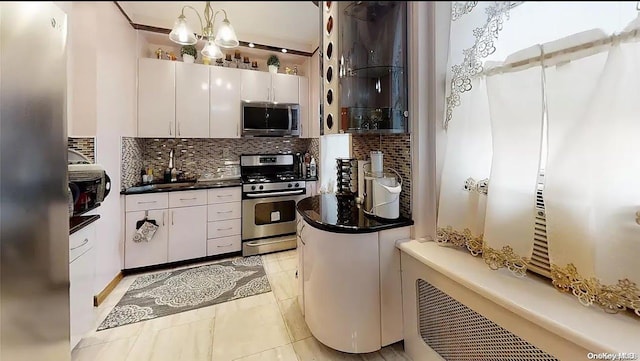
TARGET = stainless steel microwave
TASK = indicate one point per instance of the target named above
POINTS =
(270, 120)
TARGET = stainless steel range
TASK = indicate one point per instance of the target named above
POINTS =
(270, 190)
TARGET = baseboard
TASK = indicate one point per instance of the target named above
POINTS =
(100, 297)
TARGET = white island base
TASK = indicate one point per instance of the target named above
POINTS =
(350, 292)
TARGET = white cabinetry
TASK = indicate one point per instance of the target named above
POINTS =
(332, 265)
(156, 98)
(81, 273)
(142, 254)
(265, 87)
(192, 224)
(225, 224)
(224, 102)
(284, 88)
(192, 100)
(188, 233)
(256, 86)
(178, 99)
(336, 264)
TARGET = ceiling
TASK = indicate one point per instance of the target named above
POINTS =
(291, 25)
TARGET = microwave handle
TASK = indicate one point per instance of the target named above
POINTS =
(107, 185)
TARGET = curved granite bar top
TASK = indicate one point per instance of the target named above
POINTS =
(341, 214)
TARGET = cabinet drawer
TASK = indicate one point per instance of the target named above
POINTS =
(143, 202)
(224, 228)
(81, 241)
(187, 199)
(224, 211)
(224, 195)
(224, 245)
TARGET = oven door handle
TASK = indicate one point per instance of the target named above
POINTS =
(274, 194)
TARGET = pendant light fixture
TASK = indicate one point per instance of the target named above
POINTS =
(226, 36)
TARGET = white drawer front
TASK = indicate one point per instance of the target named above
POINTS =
(224, 195)
(224, 211)
(81, 241)
(187, 198)
(224, 245)
(143, 202)
(224, 228)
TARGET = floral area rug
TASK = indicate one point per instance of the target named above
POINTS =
(165, 293)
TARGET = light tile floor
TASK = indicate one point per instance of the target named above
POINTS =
(264, 327)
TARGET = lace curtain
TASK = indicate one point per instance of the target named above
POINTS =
(465, 174)
(592, 168)
(515, 100)
(592, 188)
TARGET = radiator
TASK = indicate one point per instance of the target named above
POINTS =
(458, 333)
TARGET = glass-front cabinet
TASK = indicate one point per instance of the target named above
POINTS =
(372, 66)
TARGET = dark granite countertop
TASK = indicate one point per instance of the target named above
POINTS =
(341, 214)
(182, 186)
(77, 223)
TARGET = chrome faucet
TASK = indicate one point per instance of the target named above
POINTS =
(171, 160)
(171, 173)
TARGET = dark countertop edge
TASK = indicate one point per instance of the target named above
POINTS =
(192, 188)
(397, 223)
(82, 221)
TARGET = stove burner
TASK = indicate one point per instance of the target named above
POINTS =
(285, 177)
(258, 179)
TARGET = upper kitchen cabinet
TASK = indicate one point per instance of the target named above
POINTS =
(224, 102)
(156, 98)
(256, 86)
(192, 100)
(284, 88)
(266, 87)
(372, 70)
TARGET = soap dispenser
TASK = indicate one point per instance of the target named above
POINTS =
(312, 168)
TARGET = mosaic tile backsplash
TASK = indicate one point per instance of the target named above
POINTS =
(198, 156)
(397, 155)
(85, 145)
(131, 162)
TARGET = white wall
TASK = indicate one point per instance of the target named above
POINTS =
(116, 117)
(331, 147)
(428, 41)
(82, 75)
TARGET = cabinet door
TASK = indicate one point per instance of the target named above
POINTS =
(303, 95)
(300, 270)
(224, 103)
(81, 272)
(156, 98)
(256, 86)
(285, 89)
(192, 100)
(187, 233)
(146, 253)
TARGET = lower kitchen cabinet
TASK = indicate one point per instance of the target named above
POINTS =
(141, 254)
(224, 245)
(191, 224)
(81, 272)
(187, 233)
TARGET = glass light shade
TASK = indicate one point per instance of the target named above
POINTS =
(211, 50)
(226, 36)
(181, 33)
